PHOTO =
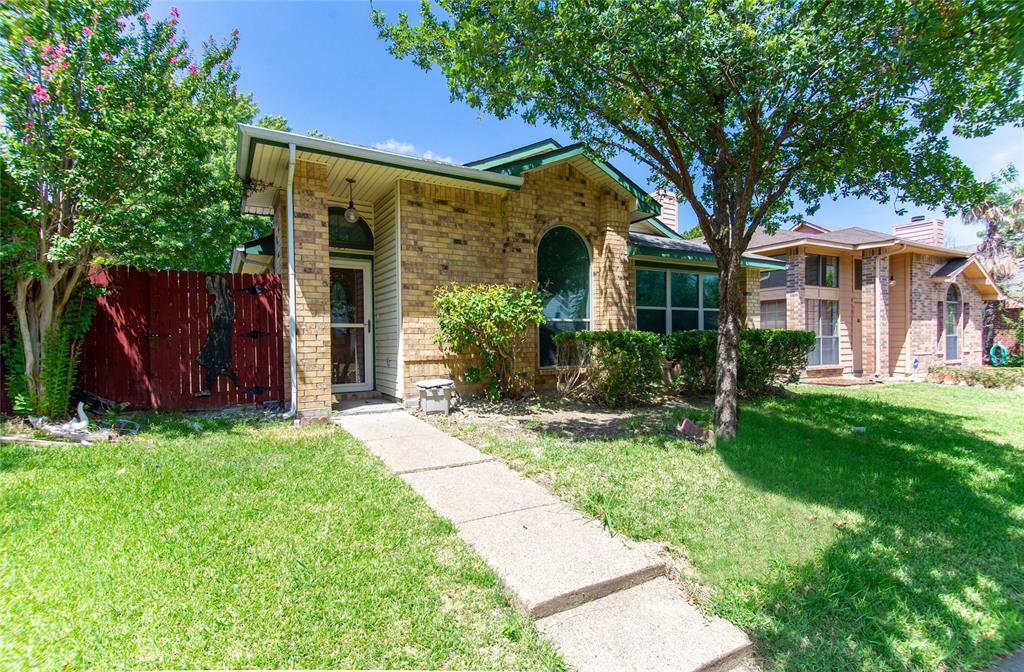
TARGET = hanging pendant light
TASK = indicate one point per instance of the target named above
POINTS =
(351, 214)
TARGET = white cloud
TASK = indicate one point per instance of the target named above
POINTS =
(409, 149)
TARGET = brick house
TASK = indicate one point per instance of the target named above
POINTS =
(362, 238)
(890, 304)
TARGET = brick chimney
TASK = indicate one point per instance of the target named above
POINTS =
(921, 229)
(669, 208)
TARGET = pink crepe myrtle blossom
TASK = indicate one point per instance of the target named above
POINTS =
(192, 69)
(29, 125)
(146, 16)
(173, 59)
(106, 57)
(40, 94)
(28, 39)
(174, 12)
(172, 39)
(100, 87)
(86, 31)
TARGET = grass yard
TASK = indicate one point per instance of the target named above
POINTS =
(239, 546)
(900, 548)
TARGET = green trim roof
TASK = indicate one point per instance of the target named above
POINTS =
(538, 147)
(641, 244)
(516, 166)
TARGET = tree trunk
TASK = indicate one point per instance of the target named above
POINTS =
(730, 320)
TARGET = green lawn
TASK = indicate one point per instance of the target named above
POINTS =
(238, 546)
(900, 548)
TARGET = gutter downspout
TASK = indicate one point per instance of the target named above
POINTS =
(292, 346)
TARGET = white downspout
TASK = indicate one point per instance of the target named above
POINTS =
(292, 347)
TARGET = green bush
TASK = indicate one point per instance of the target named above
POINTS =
(1004, 377)
(768, 357)
(617, 368)
(488, 323)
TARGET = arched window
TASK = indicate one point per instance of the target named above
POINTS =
(563, 274)
(952, 322)
(341, 233)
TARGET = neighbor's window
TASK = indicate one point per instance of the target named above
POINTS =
(821, 271)
(772, 279)
(823, 320)
(563, 274)
(952, 322)
(668, 301)
(773, 314)
(858, 274)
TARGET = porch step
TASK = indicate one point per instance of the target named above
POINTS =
(349, 396)
(377, 404)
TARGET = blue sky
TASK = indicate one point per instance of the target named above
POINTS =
(320, 65)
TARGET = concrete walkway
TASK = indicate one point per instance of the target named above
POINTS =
(604, 604)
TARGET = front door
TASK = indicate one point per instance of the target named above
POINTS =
(351, 326)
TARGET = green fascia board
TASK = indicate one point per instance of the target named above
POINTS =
(538, 147)
(660, 226)
(636, 250)
(517, 166)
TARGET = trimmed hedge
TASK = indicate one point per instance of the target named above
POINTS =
(768, 357)
(1004, 377)
(617, 368)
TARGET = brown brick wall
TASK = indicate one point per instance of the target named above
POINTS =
(313, 360)
(459, 235)
(926, 343)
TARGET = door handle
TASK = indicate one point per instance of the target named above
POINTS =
(369, 326)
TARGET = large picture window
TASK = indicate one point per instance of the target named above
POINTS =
(952, 323)
(668, 301)
(821, 271)
(563, 274)
(823, 320)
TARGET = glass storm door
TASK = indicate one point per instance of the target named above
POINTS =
(351, 326)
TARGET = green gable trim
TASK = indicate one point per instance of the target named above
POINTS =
(665, 230)
(654, 252)
(545, 145)
(517, 166)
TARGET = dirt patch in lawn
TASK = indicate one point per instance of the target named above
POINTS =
(552, 414)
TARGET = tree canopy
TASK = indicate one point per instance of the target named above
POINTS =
(743, 108)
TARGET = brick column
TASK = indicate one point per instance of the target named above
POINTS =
(312, 300)
(613, 286)
(795, 281)
(750, 285)
(875, 301)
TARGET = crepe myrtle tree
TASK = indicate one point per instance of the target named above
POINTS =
(745, 108)
(111, 128)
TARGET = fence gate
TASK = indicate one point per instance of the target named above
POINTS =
(167, 340)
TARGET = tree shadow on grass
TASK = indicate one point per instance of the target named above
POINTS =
(931, 579)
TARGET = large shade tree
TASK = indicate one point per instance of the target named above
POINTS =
(745, 108)
(114, 145)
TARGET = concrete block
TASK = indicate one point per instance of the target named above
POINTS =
(650, 627)
(477, 491)
(553, 558)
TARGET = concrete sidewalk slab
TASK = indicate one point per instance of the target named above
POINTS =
(393, 425)
(553, 559)
(649, 627)
(482, 490)
(421, 453)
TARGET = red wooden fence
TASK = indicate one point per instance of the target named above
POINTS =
(151, 325)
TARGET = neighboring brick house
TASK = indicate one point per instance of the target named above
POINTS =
(375, 233)
(881, 304)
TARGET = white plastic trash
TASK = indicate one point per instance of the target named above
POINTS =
(436, 395)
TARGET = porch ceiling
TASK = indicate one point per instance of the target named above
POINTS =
(263, 158)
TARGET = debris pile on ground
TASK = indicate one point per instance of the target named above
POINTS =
(692, 430)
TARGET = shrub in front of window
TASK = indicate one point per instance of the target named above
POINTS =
(768, 357)
(616, 368)
(489, 323)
